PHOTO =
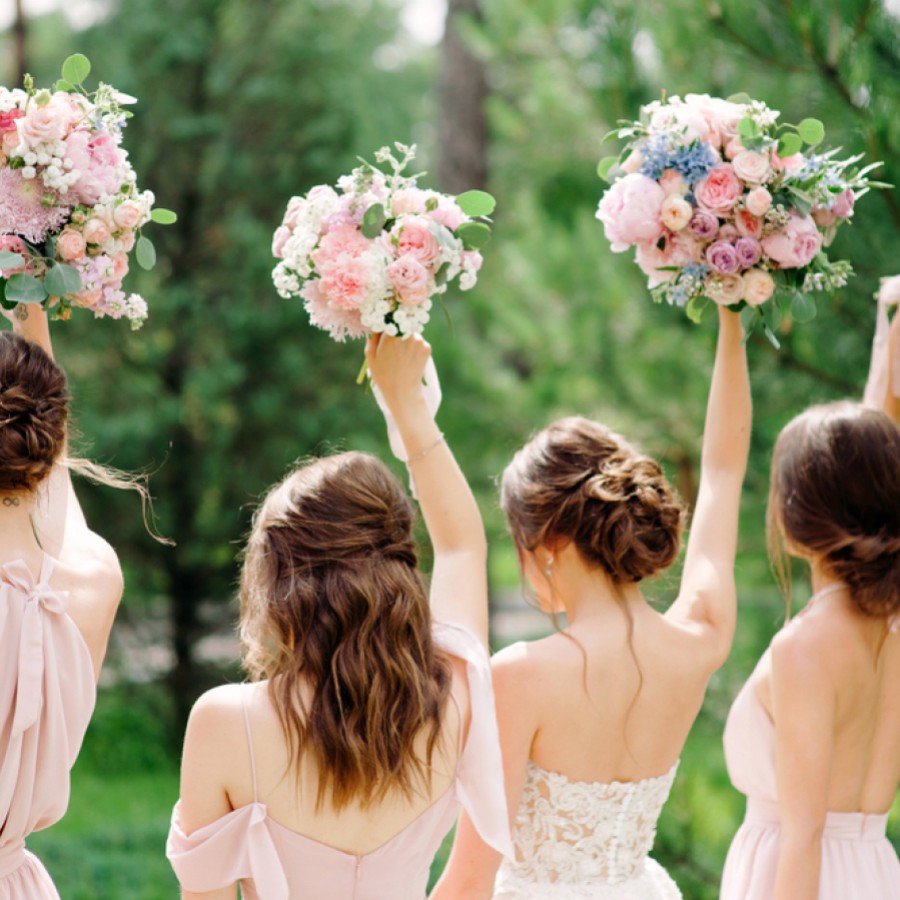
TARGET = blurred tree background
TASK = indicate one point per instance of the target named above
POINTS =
(245, 102)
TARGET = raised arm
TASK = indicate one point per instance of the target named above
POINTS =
(707, 598)
(459, 577)
(883, 384)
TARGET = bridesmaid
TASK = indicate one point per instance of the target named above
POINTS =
(813, 739)
(338, 770)
(60, 585)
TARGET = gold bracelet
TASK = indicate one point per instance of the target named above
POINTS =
(423, 453)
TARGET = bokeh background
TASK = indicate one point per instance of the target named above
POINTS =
(246, 102)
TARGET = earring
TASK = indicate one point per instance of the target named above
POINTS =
(548, 569)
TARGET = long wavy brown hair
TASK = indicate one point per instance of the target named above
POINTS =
(835, 493)
(335, 614)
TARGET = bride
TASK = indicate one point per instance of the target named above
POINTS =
(593, 718)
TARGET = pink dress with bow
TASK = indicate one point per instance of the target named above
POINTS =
(47, 695)
(274, 863)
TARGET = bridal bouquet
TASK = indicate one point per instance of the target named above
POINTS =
(724, 204)
(70, 208)
(369, 256)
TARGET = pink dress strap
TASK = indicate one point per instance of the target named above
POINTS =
(479, 782)
(235, 847)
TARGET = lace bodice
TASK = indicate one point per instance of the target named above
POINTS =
(581, 832)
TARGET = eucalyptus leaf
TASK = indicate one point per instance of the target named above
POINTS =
(10, 260)
(62, 280)
(373, 221)
(163, 216)
(747, 128)
(145, 253)
(476, 203)
(23, 288)
(771, 314)
(771, 336)
(740, 97)
(474, 235)
(65, 86)
(803, 307)
(811, 131)
(748, 318)
(604, 166)
(694, 309)
(789, 145)
(76, 68)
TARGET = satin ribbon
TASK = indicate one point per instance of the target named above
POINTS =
(880, 374)
(432, 401)
(40, 598)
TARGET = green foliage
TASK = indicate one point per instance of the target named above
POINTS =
(76, 69)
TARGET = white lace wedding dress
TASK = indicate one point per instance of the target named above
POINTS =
(578, 839)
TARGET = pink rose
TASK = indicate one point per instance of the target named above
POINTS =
(704, 225)
(722, 258)
(720, 190)
(733, 147)
(748, 251)
(448, 214)
(14, 244)
(796, 245)
(70, 244)
(673, 182)
(843, 204)
(413, 236)
(96, 231)
(43, 123)
(96, 158)
(408, 202)
(751, 167)
(724, 289)
(746, 224)
(787, 163)
(119, 268)
(8, 121)
(721, 115)
(630, 212)
(127, 241)
(675, 212)
(758, 286)
(758, 201)
(128, 215)
(9, 142)
(279, 239)
(678, 250)
(89, 299)
(411, 281)
(346, 283)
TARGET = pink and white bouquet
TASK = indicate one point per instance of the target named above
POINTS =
(723, 204)
(70, 208)
(369, 256)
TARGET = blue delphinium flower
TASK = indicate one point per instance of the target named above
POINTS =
(695, 162)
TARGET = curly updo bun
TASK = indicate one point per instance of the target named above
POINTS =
(578, 481)
(835, 493)
(34, 404)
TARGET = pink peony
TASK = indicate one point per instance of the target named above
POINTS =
(413, 236)
(722, 258)
(70, 244)
(344, 240)
(22, 210)
(630, 212)
(796, 245)
(346, 283)
(678, 250)
(96, 158)
(411, 280)
(758, 286)
(720, 190)
(339, 323)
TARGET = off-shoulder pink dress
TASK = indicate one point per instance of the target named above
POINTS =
(274, 863)
(47, 695)
(858, 862)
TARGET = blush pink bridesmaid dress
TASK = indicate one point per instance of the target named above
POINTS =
(858, 861)
(272, 862)
(47, 695)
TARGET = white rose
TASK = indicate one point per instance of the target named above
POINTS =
(751, 167)
(758, 286)
(676, 212)
(724, 289)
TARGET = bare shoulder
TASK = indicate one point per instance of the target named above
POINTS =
(529, 669)
(91, 562)
(809, 650)
(217, 716)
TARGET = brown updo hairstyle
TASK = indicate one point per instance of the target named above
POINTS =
(34, 409)
(835, 493)
(578, 481)
(334, 612)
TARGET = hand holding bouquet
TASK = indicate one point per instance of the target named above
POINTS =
(368, 257)
(70, 208)
(724, 204)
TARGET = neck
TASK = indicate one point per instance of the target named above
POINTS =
(821, 578)
(16, 529)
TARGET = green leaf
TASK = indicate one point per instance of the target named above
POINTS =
(604, 166)
(476, 203)
(373, 221)
(771, 336)
(747, 128)
(474, 235)
(789, 145)
(163, 216)
(62, 280)
(748, 318)
(811, 131)
(803, 307)
(145, 253)
(695, 307)
(65, 86)
(9, 260)
(76, 68)
(771, 314)
(740, 97)
(23, 288)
